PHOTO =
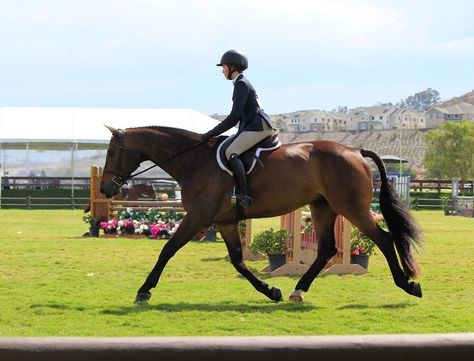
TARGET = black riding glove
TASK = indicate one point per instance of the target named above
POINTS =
(206, 137)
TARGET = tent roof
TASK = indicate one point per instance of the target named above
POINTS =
(58, 128)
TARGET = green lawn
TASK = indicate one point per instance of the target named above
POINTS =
(54, 282)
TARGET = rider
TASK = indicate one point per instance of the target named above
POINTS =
(254, 126)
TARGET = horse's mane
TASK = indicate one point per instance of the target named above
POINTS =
(172, 131)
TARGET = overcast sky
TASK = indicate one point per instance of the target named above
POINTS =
(314, 54)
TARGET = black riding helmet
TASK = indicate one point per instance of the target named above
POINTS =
(235, 59)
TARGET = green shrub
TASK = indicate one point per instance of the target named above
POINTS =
(270, 242)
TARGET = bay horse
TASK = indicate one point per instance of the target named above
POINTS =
(332, 178)
(136, 191)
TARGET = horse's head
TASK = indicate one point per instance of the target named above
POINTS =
(119, 164)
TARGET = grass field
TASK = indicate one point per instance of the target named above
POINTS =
(54, 282)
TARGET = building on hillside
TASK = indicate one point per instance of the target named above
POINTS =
(320, 121)
(435, 116)
(371, 118)
(317, 121)
(407, 119)
(279, 122)
(340, 122)
(297, 123)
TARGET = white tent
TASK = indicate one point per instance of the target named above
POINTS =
(73, 129)
(58, 128)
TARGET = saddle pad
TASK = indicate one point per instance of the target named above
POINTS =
(249, 157)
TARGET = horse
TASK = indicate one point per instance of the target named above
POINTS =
(333, 179)
(135, 191)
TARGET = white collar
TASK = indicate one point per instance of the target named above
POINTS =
(237, 77)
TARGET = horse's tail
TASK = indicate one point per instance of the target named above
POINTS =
(405, 231)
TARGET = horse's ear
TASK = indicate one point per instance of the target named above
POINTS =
(115, 132)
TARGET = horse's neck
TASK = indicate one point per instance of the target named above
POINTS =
(164, 148)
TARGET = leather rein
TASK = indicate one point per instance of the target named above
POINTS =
(119, 180)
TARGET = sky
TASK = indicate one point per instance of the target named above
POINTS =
(315, 54)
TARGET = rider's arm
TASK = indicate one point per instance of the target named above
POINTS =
(241, 92)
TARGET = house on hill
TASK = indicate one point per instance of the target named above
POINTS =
(371, 118)
(315, 121)
(407, 119)
(436, 116)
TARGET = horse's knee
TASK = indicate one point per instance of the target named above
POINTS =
(236, 259)
(327, 253)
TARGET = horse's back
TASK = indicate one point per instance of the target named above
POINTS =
(315, 149)
(322, 161)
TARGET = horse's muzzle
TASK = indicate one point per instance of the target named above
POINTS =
(108, 191)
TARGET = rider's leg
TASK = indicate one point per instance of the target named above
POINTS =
(242, 193)
(241, 143)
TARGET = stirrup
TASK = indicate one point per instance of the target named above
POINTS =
(244, 199)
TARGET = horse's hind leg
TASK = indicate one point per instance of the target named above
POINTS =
(384, 241)
(231, 236)
(323, 220)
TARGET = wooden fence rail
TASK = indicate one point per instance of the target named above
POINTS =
(435, 347)
(43, 202)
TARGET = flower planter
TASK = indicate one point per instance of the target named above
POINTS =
(211, 234)
(276, 261)
(132, 236)
(94, 231)
(362, 260)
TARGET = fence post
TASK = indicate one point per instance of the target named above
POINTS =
(73, 203)
(28, 202)
(416, 203)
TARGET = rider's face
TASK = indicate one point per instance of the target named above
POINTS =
(225, 70)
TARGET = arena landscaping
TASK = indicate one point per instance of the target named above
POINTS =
(53, 282)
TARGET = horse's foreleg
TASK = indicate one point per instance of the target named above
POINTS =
(231, 236)
(323, 218)
(186, 230)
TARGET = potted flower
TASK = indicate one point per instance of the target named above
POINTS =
(447, 205)
(273, 244)
(94, 224)
(362, 246)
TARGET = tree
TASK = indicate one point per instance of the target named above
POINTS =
(421, 101)
(450, 150)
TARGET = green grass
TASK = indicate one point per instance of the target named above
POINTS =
(54, 282)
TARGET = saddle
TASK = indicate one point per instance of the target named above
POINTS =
(249, 157)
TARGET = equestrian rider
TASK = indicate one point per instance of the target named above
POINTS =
(254, 124)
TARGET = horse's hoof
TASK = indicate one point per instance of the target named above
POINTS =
(415, 289)
(142, 297)
(296, 296)
(276, 294)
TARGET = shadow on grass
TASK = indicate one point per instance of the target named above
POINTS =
(206, 307)
(390, 306)
(56, 306)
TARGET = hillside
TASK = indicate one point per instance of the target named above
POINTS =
(384, 142)
(468, 98)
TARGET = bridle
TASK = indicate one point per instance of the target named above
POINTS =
(119, 180)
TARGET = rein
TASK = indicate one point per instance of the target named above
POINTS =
(119, 180)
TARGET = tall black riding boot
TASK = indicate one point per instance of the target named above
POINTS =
(242, 193)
